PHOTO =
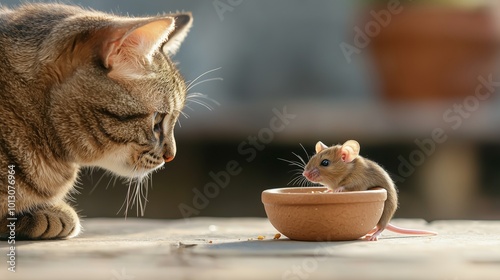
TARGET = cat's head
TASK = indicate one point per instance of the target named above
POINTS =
(116, 95)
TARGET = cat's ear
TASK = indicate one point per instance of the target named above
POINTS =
(129, 44)
(349, 150)
(134, 40)
(183, 23)
(320, 147)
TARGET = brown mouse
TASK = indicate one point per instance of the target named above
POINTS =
(340, 168)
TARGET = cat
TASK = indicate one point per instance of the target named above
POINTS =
(81, 88)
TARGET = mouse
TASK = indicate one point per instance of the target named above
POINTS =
(340, 168)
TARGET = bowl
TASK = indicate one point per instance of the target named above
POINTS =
(308, 214)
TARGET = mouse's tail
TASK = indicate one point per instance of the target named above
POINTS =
(396, 229)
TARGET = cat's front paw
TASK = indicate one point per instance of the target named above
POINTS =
(54, 222)
(339, 189)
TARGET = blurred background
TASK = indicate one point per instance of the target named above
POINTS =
(414, 83)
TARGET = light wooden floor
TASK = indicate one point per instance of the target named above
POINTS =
(221, 248)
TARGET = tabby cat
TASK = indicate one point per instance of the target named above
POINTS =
(81, 88)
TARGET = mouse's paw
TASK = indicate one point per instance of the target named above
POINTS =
(374, 236)
(370, 238)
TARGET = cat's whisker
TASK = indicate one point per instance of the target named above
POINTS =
(204, 81)
(202, 103)
(186, 106)
(142, 195)
(184, 114)
(75, 191)
(126, 202)
(114, 181)
(146, 191)
(137, 198)
(129, 198)
(135, 192)
(145, 197)
(190, 85)
(98, 181)
(199, 98)
(200, 95)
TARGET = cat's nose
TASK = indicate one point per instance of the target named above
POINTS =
(168, 158)
(169, 149)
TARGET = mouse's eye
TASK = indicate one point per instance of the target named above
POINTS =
(325, 162)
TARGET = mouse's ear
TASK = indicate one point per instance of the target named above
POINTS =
(349, 150)
(320, 146)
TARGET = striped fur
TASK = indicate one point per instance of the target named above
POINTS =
(82, 88)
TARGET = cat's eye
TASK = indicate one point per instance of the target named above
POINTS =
(157, 121)
(325, 162)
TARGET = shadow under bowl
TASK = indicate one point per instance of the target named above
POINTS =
(308, 214)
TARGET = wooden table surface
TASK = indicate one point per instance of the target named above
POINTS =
(228, 248)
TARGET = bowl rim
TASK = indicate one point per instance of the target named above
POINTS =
(297, 196)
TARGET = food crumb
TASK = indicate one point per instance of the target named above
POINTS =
(277, 236)
(260, 237)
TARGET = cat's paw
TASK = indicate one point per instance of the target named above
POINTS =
(339, 189)
(54, 222)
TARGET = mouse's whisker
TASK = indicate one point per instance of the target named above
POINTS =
(298, 179)
(294, 181)
(300, 158)
(293, 163)
(304, 182)
(305, 151)
(297, 171)
(299, 182)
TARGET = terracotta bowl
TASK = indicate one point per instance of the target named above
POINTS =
(306, 214)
